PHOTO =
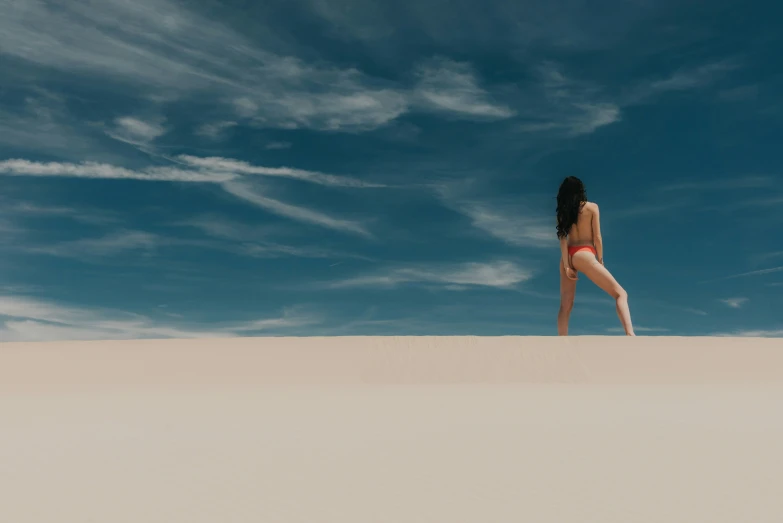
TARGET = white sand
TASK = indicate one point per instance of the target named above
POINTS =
(344, 430)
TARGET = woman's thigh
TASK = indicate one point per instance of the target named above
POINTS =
(567, 287)
(585, 262)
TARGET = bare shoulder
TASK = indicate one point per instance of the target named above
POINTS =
(591, 207)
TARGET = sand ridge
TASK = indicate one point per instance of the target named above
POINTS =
(392, 430)
(388, 360)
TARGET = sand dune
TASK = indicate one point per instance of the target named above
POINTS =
(580, 429)
(395, 360)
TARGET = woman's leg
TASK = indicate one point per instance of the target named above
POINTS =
(585, 262)
(567, 294)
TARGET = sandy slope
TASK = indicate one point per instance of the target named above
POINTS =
(389, 360)
(344, 430)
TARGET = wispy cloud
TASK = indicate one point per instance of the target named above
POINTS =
(24, 318)
(245, 192)
(146, 41)
(498, 274)
(19, 167)
(346, 105)
(41, 124)
(215, 130)
(219, 227)
(292, 318)
(761, 333)
(16, 210)
(114, 244)
(581, 119)
(639, 329)
(770, 200)
(734, 303)
(8, 229)
(567, 106)
(130, 246)
(205, 170)
(450, 86)
(512, 227)
(503, 25)
(745, 274)
(511, 222)
(136, 131)
(255, 240)
(668, 306)
(686, 78)
(147, 46)
(150, 44)
(228, 165)
(751, 191)
(771, 255)
(125, 246)
(741, 182)
(562, 105)
(742, 93)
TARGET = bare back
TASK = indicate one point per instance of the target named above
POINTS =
(583, 231)
(589, 261)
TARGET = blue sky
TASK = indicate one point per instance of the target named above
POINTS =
(357, 167)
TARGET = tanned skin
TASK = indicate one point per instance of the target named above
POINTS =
(587, 231)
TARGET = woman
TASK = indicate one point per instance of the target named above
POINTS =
(581, 248)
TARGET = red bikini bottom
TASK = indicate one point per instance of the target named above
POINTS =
(575, 248)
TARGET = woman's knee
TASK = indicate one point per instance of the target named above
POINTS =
(618, 293)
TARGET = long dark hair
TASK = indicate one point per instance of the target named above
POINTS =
(570, 199)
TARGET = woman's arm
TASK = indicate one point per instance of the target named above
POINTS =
(570, 272)
(564, 252)
(597, 240)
